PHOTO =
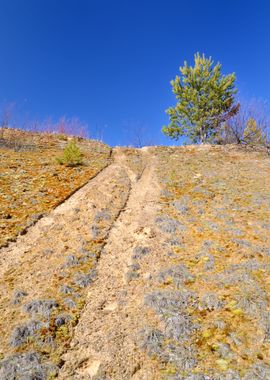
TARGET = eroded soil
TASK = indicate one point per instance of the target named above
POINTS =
(158, 268)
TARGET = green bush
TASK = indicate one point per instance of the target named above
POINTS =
(72, 155)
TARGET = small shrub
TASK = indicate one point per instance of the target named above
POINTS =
(41, 307)
(23, 333)
(253, 134)
(72, 155)
(26, 366)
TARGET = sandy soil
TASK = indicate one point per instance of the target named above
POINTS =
(105, 338)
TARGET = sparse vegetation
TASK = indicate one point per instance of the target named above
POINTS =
(189, 290)
(214, 263)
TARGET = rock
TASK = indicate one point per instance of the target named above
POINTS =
(147, 276)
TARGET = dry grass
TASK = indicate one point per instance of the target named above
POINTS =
(33, 183)
(222, 199)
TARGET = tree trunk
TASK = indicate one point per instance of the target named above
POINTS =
(202, 135)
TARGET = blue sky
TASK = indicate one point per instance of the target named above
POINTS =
(109, 62)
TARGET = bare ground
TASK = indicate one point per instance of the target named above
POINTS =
(105, 338)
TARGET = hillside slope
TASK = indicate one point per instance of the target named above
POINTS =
(32, 183)
(158, 268)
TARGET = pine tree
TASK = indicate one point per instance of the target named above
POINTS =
(72, 155)
(253, 135)
(205, 99)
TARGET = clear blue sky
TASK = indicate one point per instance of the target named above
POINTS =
(109, 62)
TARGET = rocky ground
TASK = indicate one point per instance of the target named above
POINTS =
(157, 268)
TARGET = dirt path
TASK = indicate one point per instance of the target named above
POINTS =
(105, 338)
(80, 256)
(84, 202)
